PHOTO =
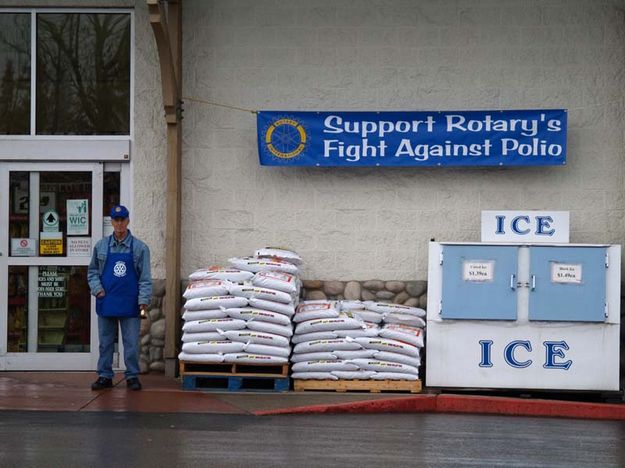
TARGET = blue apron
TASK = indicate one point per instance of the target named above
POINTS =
(121, 285)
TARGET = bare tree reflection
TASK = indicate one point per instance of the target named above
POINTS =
(15, 74)
(83, 73)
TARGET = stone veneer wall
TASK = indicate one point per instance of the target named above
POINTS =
(153, 332)
(410, 293)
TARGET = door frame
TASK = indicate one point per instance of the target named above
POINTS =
(34, 360)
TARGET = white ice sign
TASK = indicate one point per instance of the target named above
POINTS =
(478, 270)
(566, 273)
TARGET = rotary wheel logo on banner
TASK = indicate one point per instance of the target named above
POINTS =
(285, 138)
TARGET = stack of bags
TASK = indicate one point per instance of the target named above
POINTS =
(242, 314)
(357, 340)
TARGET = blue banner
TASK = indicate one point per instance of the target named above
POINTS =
(437, 138)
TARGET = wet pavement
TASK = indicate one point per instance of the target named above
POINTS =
(71, 391)
(98, 439)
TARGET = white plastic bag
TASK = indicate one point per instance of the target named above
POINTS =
(385, 366)
(201, 358)
(220, 273)
(318, 310)
(211, 325)
(411, 335)
(313, 376)
(397, 357)
(190, 315)
(314, 337)
(215, 302)
(282, 254)
(327, 345)
(249, 336)
(212, 347)
(282, 330)
(404, 319)
(384, 344)
(365, 331)
(248, 291)
(207, 288)
(384, 308)
(284, 309)
(368, 315)
(201, 336)
(360, 354)
(248, 358)
(249, 313)
(354, 375)
(255, 264)
(253, 348)
(340, 323)
(276, 280)
(320, 356)
(393, 376)
(324, 366)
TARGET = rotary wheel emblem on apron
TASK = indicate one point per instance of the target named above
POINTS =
(119, 269)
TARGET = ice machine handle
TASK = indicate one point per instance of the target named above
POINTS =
(513, 281)
(533, 282)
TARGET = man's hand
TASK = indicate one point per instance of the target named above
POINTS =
(144, 311)
(101, 294)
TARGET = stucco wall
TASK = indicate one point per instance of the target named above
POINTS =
(394, 55)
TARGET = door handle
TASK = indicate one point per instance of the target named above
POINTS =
(513, 282)
(533, 282)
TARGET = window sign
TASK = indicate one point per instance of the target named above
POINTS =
(23, 247)
(51, 243)
(107, 227)
(52, 283)
(77, 217)
(566, 273)
(79, 246)
(50, 221)
(478, 270)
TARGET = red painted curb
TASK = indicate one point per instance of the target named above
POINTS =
(465, 404)
(523, 407)
(412, 404)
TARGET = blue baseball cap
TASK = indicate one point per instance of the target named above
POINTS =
(119, 211)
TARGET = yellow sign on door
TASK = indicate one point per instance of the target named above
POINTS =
(51, 243)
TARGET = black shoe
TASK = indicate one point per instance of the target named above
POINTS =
(102, 383)
(133, 383)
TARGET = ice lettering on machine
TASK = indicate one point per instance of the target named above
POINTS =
(512, 355)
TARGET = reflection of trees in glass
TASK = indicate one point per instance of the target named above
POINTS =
(83, 73)
(14, 74)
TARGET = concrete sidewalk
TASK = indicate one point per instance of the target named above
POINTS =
(71, 391)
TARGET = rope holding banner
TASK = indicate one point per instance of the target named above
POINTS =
(212, 103)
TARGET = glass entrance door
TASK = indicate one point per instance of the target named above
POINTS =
(50, 217)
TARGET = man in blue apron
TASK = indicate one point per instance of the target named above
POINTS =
(120, 279)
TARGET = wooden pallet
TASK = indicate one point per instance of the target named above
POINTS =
(235, 383)
(235, 377)
(224, 369)
(372, 386)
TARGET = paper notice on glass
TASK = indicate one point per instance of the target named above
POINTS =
(23, 247)
(77, 217)
(107, 227)
(79, 246)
